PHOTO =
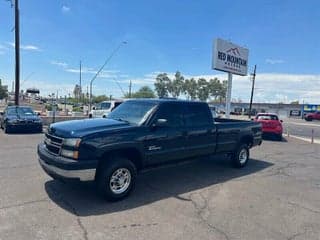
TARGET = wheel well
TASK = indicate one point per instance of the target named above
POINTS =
(130, 153)
(247, 140)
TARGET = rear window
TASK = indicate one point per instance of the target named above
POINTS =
(267, 117)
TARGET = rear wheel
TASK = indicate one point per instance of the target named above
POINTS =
(116, 178)
(241, 156)
(309, 119)
(279, 137)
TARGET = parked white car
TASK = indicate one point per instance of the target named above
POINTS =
(104, 108)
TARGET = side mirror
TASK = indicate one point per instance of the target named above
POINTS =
(38, 114)
(252, 119)
(281, 121)
(161, 123)
(93, 108)
(1, 113)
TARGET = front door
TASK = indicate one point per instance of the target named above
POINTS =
(166, 143)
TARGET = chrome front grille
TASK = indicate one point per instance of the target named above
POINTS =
(53, 143)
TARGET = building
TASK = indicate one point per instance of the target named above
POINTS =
(282, 109)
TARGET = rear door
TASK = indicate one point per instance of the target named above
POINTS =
(166, 143)
(200, 130)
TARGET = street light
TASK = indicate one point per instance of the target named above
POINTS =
(105, 63)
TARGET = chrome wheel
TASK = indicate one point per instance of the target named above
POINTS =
(243, 156)
(120, 180)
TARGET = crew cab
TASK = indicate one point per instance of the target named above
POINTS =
(271, 124)
(312, 116)
(140, 134)
(102, 109)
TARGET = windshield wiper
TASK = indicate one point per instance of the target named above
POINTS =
(121, 120)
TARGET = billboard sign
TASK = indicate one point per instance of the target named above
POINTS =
(229, 57)
(307, 108)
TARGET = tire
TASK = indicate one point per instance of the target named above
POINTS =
(279, 137)
(241, 156)
(309, 119)
(6, 129)
(90, 115)
(116, 178)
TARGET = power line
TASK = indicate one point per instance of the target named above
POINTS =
(119, 86)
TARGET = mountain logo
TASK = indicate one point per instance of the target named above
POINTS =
(234, 51)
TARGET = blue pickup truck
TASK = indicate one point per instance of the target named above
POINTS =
(140, 134)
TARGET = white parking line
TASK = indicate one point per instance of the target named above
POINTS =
(316, 141)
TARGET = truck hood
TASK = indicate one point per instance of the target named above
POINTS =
(80, 128)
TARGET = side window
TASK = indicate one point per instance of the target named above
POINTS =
(197, 115)
(172, 112)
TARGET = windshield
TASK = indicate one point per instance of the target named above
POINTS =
(105, 105)
(134, 112)
(22, 111)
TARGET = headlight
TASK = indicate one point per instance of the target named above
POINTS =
(72, 142)
(70, 154)
(13, 121)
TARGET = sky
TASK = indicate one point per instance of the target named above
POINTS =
(163, 36)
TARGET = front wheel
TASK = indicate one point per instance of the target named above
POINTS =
(6, 129)
(241, 156)
(116, 178)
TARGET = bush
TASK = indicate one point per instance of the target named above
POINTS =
(77, 109)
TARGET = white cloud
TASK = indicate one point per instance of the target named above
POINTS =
(89, 70)
(26, 47)
(65, 9)
(60, 64)
(275, 87)
(274, 61)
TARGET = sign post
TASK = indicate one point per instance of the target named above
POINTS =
(230, 58)
(228, 97)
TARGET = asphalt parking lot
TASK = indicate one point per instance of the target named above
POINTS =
(302, 128)
(277, 196)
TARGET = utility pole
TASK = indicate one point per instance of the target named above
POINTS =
(252, 90)
(17, 52)
(130, 86)
(80, 92)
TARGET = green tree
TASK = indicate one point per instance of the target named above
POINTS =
(162, 84)
(215, 88)
(203, 89)
(100, 98)
(3, 91)
(176, 85)
(190, 88)
(143, 92)
(223, 90)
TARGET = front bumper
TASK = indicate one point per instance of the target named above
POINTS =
(64, 168)
(24, 127)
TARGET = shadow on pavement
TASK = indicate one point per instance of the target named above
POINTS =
(273, 138)
(81, 199)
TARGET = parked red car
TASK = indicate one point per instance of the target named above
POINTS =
(270, 124)
(312, 116)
